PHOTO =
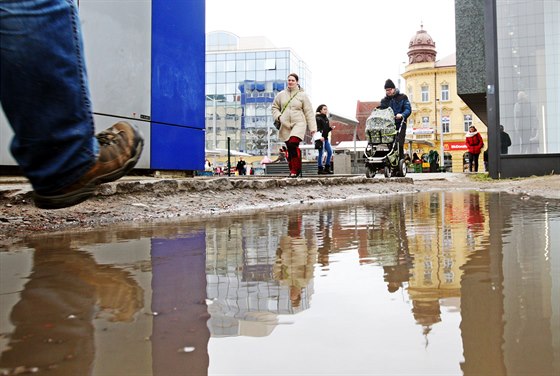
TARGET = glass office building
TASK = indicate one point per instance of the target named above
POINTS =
(243, 75)
(508, 72)
(528, 55)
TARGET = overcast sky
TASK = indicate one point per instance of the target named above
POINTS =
(350, 46)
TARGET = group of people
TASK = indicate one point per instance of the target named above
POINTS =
(292, 109)
(45, 95)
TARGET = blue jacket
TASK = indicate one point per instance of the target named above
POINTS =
(399, 103)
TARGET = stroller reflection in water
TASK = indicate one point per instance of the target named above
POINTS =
(388, 246)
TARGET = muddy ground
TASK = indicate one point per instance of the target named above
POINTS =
(136, 200)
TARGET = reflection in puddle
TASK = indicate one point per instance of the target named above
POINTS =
(437, 283)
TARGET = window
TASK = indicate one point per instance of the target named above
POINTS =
(425, 94)
(230, 66)
(444, 92)
(425, 122)
(467, 121)
(445, 123)
(270, 64)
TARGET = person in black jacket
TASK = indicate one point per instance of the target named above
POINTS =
(401, 107)
(505, 140)
(241, 169)
(323, 126)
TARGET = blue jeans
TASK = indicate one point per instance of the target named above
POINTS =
(44, 91)
(328, 148)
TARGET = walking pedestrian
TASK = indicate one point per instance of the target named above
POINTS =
(474, 142)
(324, 127)
(292, 108)
(401, 108)
(45, 95)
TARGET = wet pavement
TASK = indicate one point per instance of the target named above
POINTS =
(437, 283)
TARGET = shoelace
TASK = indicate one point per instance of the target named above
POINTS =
(107, 137)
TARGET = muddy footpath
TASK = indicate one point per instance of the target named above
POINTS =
(136, 200)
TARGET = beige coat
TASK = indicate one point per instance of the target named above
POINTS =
(298, 117)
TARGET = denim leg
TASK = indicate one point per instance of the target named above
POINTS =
(320, 157)
(44, 91)
(328, 147)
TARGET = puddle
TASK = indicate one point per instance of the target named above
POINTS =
(433, 283)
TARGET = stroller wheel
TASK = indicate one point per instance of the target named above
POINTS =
(387, 171)
(370, 172)
(402, 168)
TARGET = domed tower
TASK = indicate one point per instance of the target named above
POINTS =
(422, 48)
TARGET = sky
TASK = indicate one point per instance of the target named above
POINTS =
(350, 46)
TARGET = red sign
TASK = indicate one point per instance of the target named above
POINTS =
(453, 146)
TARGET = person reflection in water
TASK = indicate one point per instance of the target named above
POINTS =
(295, 259)
(397, 273)
(325, 245)
(66, 290)
(475, 216)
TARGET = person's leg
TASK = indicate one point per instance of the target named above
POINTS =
(402, 135)
(320, 160)
(475, 157)
(294, 155)
(44, 91)
(45, 95)
(328, 147)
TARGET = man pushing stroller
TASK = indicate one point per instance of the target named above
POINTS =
(400, 105)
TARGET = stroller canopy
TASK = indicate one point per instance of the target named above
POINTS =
(381, 118)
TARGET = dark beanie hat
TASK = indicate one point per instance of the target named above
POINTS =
(389, 84)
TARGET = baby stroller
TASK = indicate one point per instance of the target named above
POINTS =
(382, 150)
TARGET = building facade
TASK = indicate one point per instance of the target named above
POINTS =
(243, 75)
(439, 116)
(508, 72)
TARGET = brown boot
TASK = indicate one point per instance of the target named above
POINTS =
(120, 147)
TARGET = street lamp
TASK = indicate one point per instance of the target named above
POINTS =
(442, 155)
(214, 115)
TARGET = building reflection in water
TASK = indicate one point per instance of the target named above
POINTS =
(179, 334)
(453, 250)
(491, 257)
(253, 278)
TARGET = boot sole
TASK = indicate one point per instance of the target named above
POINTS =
(82, 194)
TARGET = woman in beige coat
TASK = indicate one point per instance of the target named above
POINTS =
(293, 109)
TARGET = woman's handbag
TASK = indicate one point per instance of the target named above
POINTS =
(317, 139)
(277, 123)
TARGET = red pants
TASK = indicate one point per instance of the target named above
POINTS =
(294, 155)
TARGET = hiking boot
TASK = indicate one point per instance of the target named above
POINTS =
(320, 170)
(120, 147)
(328, 170)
